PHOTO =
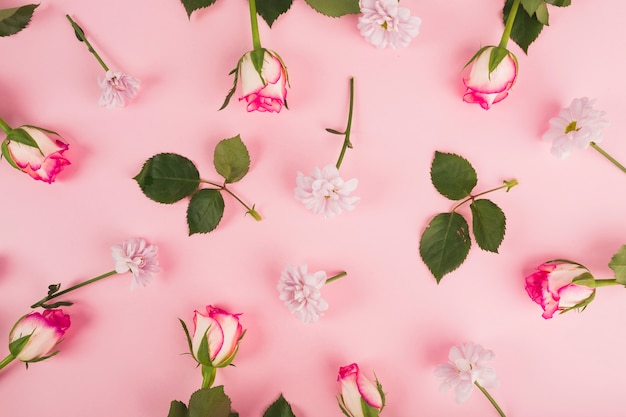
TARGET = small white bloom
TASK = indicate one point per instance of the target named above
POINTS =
(577, 125)
(136, 256)
(325, 192)
(300, 291)
(117, 88)
(384, 23)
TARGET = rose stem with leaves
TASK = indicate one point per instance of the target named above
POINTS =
(80, 34)
(509, 24)
(490, 398)
(255, 214)
(53, 294)
(507, 184)
(607, 156)
(346, 142)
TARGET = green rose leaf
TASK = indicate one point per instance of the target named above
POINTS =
(15, 19)
(452, 175)
(542, 14)
(168, 177)
(209, 402)
(335, 8)
(177, 409)
(205, 211)
(488, 224)
(279, 408)
(525, 29)
(193, 5)
(231, 159)
(531, 5)
(445, 243)
(269, 10)
(559, 3)
(618, 265)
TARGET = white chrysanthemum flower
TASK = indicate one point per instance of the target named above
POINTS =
(300, 291)
(136, 256)
(325, 192)
(117, 87)
(384, 23)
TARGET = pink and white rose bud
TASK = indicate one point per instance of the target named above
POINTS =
(42, 162)
(489, 87)
(216, 337)
(266, 92)
(39, 334)
(560, 286)
(359, 396)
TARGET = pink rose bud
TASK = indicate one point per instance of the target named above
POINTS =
(265, 92)
(359, 396)
(560, 286)
(43, 159)
(216, 337)
(488, 87)
(35, 335)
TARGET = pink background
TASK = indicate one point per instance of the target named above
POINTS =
(124, 354)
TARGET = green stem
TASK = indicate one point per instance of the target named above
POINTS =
(72, 288)
(509, 24)
(490, 398)
(81, 35)
(507, 184)
(7, 129)
(6, 361)
(336, 277)
(255, 214)
(254, 23)
(606, 282)
(208, 376)
(346, 142)
(607, 156)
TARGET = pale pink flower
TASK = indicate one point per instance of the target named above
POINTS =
(300, 291)
(266, 92)
(218, 330)
(466, 367)
(136, 256)
(44, 332)
(359, 396)
(489, 87)
(117, 87)
(384, 23)
(576, 126)
(325, 192)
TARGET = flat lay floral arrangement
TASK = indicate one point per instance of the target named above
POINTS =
(182, 179)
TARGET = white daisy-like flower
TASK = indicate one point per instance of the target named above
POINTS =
(136, 256)
(300, 291)
(325, 192)
(384, 23)
(117, 87)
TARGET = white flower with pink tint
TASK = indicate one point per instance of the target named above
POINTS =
(384, 23)
(359, 397)
(325, 192)
(466, 369)
(40, 333)
(266, 92)
(301, 292)
(136, 256)
(117, 88)
(489, 87)
(576, 126)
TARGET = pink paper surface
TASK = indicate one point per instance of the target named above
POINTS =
(124, 354)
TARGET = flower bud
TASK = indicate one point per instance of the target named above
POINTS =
(487, 85)
(35, 335)
(267, 91)
(359, 396)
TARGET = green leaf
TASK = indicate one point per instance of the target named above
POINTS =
(531, 5)
(233, 414)
(559, 3)
(279, 408)
(618, 265)
(168, 178)
(445, 243)
(193, 5)
(16, 346)
(7, 154)
(231, 159)
(209, 402)
(335, 8)
(488, 224)
(177, 409)
(452, 175)
(525, 28)
(205, 211)
(15, 19)
(542, 14)
(269, 10)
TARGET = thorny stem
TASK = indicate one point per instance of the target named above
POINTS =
(336, 277)
(41, 302)
(81, 35)
(507, 184)
(346, 142)
(255, 214)
(509, 24)
(490, 398)
(607, 156)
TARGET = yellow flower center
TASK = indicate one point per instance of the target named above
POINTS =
(571, 127)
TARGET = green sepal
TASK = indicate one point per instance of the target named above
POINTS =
(178, 409)
(43, 358)
(618, 265)
(496, 57)
(168, 177)
(383, 397)
(452, 175)
(7, 154)
(230, 93)
(343, 409)
(258, 57)
(231, 159)
(209, 402)
(335, 8)
(270, 10)
(78, 31)
(205, 211)
(445, 243)
(488, 224)
(16, 346)
(368, 410)
(204, 356)
(335, 132)
(582, 305)
(193, 5)
(13, 20)
(188, 336)
(19, 135)
(229, 360)
(279, 408)
(585, 279)
(480, 51)
(57, 304)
